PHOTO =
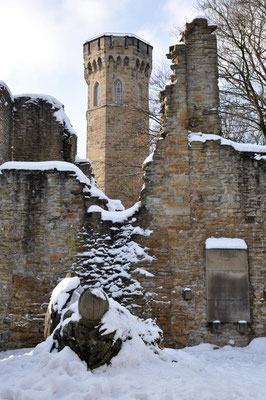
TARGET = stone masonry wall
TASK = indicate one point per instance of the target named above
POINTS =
(194, 191)
(38, 134)
(201, 76)
(227, 199)
(6, 106)
(196, 74)
(117, 134)
(126, 149)
(40, 213)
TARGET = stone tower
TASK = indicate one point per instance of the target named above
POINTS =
(117, 71)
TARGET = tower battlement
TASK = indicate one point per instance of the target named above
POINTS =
(117, 51)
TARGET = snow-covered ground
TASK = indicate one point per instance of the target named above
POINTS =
(140, 371)
(197, 373)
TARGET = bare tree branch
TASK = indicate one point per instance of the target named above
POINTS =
(241, 31)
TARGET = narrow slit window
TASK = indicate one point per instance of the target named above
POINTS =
(118, 89)
(126, 42)
(139, 94)
(96, 95)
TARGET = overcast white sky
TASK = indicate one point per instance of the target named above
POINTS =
(41, 42)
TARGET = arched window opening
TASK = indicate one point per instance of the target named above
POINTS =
(126, 62)
(99, 63)
(142, 66)
(96, 95)
(118, 61)
(147, 70)
(118, 89)
(111, 61)
(94, 64)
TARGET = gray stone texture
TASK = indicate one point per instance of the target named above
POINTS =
(6, 123)
(92, 307)
(38, 136)
(29, 130)
(40, 214)
(88, 343)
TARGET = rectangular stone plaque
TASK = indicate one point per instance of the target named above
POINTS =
(227, 285)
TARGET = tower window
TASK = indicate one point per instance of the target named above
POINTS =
(99, 63)
(118, 89)
(139, 94)
(96, 95)
(99, 44)
(138, 45)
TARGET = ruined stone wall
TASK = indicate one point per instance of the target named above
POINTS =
(227, 199)
(194, 191)
(196, 75)
(40, 213)
(40, 134)
(202, 75)
(6, 106)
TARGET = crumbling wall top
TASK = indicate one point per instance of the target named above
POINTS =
(195, 75)
(42, 131)
(199, 25)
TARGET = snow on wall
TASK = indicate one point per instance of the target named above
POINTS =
(2, 83)
(115, 216)
(58, 108)
(259, 157)
(89, 189)
(45, 166)
(248, 147)
(225, 243)
(149, 158)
